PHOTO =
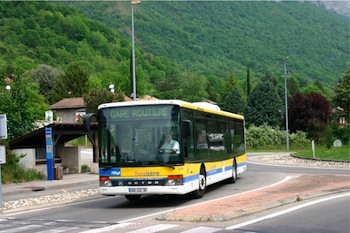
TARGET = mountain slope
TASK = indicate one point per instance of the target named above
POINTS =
(215, 38)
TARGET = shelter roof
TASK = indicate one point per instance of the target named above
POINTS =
(63, 132)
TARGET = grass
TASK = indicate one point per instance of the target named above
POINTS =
(13, 173)
(321, 152)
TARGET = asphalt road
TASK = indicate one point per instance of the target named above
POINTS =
(329, 216)
(104, 212)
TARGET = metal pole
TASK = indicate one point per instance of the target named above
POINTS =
(286, 100)
(0, 189)
(133, 54)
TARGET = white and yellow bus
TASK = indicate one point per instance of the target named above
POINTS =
(211, 147)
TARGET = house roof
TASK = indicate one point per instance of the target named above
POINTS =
(77, 102)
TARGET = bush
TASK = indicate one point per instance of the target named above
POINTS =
(12, 172)
(265, 135)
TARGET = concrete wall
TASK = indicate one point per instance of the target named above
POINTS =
(68, 115)
(71, 158)
(28, 161)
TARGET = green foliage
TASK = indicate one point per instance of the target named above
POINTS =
(264, 105)
(97, 96)
(329, 137)
(11, 172)
(233, 102)
(265, 135)
(22, 104)
(45, 76)
(67, 37)
(342, 93)
(215, 37)
(85, 168)
(192, 88)
(73, 83)
(298, 139)
(322, 152)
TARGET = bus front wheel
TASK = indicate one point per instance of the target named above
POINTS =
(202, 184)
(133, 197)
(233, 179)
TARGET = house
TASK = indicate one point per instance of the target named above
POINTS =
(69, 110)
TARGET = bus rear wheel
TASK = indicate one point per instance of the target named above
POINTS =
(133, 197)
(202, 185)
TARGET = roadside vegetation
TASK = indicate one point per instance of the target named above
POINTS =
(323, 153)
(14, 173)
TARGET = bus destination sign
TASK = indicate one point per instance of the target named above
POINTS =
(139, 113)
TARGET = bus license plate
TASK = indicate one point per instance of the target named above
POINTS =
(137, 190)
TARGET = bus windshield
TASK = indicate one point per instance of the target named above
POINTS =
(135, 136)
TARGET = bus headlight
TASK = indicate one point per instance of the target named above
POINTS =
(105, 181)
(174, 180)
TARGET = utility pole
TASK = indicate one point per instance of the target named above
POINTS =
(286, 100)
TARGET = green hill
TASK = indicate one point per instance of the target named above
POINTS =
(33, 33)
(217, 37)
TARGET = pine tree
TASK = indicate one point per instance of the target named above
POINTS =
(264, 105)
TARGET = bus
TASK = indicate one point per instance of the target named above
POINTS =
(211, 147)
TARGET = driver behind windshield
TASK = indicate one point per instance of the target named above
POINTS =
(170, 145)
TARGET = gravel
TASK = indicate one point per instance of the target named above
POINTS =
(49, 199)
(276, 159)
(287, 159)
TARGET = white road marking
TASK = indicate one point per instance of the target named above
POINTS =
(284, 211)
(203, 230)
(21, 229)
(109, 228)
(156, 228)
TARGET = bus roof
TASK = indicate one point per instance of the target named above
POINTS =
(199, 106)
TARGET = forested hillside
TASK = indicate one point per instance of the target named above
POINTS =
(215, 38)
(33, 33)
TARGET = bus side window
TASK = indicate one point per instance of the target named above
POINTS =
(187, 138)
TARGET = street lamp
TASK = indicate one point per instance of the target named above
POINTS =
(134, 2)
(111, 88)
(286, 100)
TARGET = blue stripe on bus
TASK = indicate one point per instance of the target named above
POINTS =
(242, 164)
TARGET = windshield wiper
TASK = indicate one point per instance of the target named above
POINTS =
(166, 165)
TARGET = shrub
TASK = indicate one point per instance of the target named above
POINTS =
(266, 135)
(12, 172)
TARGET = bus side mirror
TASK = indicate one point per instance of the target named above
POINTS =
(87, 121)
(186, 129)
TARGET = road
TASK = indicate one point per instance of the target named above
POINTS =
(123, 216)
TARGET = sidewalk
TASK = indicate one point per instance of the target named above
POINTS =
(15, 191)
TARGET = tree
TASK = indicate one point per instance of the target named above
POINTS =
(45, 76)
(233, 102)
(74, 83)
(248, 81)
(342, 93)
(264, 105)
(192, 88)
(97, 96)
(22, 104)
(230, 84)
(310, 113)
